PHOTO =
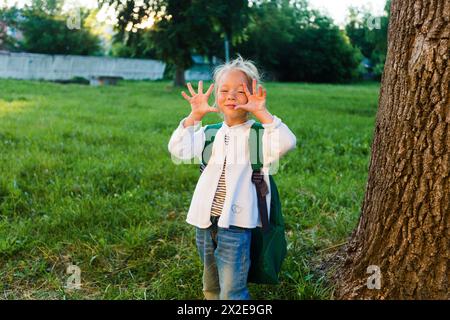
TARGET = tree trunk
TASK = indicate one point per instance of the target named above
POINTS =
(404, 226)
(179, 80)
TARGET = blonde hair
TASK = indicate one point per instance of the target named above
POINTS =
(246, 66)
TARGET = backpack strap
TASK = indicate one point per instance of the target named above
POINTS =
(210, 135)
(256, 151)
(256, 159)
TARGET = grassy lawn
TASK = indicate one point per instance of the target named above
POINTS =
(86, 179)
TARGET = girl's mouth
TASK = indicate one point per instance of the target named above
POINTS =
(230, 106)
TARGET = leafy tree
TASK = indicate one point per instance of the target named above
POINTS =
(181, 28)
(266, 35)
(293, 43)
(176, 36)
(46, 34)
(44, 30)
(370, 39)
(230, 18)
(8, 19)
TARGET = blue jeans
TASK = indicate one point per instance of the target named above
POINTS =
(226, 262)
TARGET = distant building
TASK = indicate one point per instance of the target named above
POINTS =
(9, 35)
(367, 67)
(202, 69)
(14, 33)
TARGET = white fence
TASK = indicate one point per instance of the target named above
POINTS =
(64, 67)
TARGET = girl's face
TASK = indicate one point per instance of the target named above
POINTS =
(231, 93)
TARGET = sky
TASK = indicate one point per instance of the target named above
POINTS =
(337, 9)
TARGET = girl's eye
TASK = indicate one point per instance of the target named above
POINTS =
(241, 91)
(224, 91)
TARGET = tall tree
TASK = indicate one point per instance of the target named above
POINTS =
(231, 16)
(400, 248)
(185, 29)
(182, 27)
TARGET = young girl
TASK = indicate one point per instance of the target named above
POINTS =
(224, 205)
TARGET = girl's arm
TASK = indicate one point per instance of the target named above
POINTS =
(187, 142)
(277, 139)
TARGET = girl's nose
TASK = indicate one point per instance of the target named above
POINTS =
(231, 96)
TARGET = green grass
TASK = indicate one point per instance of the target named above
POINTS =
(86, 179)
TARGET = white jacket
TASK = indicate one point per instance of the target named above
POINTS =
(241, 204)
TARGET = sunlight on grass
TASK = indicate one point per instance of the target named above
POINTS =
(14, 106)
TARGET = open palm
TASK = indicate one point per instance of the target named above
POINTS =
(256, 102)
(199, 100)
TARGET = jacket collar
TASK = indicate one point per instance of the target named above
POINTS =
(247, 124)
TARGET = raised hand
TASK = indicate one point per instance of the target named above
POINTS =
(256, 102)
(199, 101)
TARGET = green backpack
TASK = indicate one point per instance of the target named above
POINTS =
(268, 244)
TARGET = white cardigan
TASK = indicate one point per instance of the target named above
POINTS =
(241, 203)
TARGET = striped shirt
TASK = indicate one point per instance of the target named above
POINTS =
(219, 197)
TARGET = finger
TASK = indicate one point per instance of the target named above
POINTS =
(200, 87)
(254, 86)
(264, 93)
(210, 89)
(247, 92)
(260, 91)
(239, 106)
(191, 90)
(186, 96)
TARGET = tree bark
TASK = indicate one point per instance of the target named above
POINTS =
(404, 225)
(179, 80)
